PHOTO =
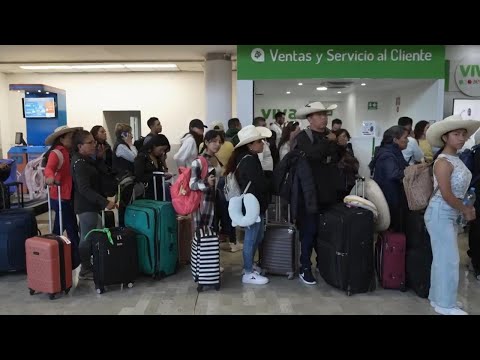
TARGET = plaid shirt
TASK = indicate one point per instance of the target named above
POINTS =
(205, 214)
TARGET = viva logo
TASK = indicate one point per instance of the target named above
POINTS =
(470, 70)
(467, 76)
(270, 113)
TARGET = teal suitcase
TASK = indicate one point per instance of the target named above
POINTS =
(158, 252)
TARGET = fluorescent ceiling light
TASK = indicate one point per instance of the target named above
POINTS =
(288, 92)
(99, 66)
(300, 84)
(149, 66)
(322, 88)
(363, 84)
(339, 92)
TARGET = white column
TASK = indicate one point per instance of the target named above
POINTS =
(218, 89)
(245, 101)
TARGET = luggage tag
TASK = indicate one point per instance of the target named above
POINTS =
(65, 240)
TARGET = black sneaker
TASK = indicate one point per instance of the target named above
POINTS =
(307, 277)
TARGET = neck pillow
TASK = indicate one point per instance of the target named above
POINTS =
(252, 210)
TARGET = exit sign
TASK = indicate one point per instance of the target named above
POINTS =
(372, 105)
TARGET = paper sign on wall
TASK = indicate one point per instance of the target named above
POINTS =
(368, 128)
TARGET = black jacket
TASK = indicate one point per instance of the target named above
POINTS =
(120, 165)
(87, 186)
(322, 157)
(144, 168)
(250, 169)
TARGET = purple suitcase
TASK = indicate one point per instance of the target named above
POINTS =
(390, 260)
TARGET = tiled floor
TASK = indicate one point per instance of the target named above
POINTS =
(177, 295)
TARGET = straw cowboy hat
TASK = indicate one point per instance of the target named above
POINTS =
(252, 133)
(59, 131)
(312, 108)
(454, 122)
(375, 195)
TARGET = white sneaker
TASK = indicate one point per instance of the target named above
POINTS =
(450, 311)
(459, 304)
(256, 269)
(254, 278)
(236, 247)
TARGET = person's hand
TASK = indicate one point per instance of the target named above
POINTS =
(331, 136)
(49, 181)
(100, 151)
(211, 180)
(111, 205)
(469, 213)
(168, 176)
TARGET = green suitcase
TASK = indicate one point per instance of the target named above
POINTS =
(158, 252)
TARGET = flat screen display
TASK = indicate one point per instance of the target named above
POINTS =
(39, 107)
(468, 108)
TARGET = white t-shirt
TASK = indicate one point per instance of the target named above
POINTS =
(266, 158)
(412, 153)
(278, 131)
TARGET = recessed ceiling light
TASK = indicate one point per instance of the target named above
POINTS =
(39, 90)
(288, 92)
(28, 92)
(339, 92)
(363, 84)
(18, 90)
(300, 84)
(322, 88)
(47, 93)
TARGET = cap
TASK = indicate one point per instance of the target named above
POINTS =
(218, 126)
(197, 123)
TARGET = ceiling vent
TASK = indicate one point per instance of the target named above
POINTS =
(337, 84)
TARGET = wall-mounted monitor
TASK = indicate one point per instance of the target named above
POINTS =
(468, 108)
(39, 107)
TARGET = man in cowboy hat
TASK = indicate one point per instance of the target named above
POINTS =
(319, 145)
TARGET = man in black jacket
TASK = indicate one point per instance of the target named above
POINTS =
(319, 146)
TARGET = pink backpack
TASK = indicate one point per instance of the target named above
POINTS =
(185, 200)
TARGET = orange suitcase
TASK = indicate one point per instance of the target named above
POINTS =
(49, 261)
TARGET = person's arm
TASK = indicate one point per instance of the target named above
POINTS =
(443, 171)
(249, 170)
(124, 152)
(391, 169)
(185, 151)
(82, 181)
(196, 182)
(139, 169)
(319, 150)
(51, 168)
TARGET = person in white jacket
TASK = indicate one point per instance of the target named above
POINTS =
(189, 144)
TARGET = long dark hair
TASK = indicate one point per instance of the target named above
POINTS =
(156, 140)
(420, 129)
(232, 162)
(287, 130)
(56, 143)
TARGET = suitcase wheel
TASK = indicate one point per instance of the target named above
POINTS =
(67, 291)
(100, 290)
(403, 288)
(217, 287)
(199, 288)
(51, 296)
(31, 291)
(349, 293)
(129, 285)
(290, 276)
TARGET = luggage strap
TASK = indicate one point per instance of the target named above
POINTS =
(105, 231)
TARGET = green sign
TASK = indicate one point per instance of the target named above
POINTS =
(256, 62)
(372, 105)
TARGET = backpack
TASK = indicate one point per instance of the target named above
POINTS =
(139, 143)
(185, 200)
(468, 158)
(232, 189)
(418, 185)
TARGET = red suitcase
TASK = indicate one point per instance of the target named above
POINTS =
(390, 260)
(49, 260)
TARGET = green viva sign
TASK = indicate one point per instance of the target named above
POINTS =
(270, 113)
(256, 62)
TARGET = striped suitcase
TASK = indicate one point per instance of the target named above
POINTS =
(205, 259)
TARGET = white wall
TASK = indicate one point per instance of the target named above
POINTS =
(174, 98)
(455, 53)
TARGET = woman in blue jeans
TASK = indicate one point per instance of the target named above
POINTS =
(246, 166)
(451, 182)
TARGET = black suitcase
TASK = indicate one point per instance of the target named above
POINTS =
(418, 262)
(344, 248)
(16, 226)
(115, 259)
(279, 250)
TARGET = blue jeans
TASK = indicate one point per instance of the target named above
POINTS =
(308, 226)
(69, 222)
(440, 219)
(253, 238)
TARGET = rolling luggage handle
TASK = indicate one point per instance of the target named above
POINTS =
(59, 208)
(155, 174)
(278, 211)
